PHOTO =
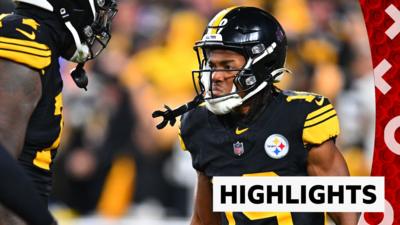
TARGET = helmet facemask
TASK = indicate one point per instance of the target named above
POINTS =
(99, 33)
(245, 85)
(252, 33)
(203, 83)
(202, 78)
(96, 36)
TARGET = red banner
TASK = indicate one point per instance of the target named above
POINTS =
(382, 18)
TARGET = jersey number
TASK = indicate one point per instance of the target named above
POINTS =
(43, 157)
(283, 218)
(309, 97)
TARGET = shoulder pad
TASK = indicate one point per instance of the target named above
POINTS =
(190, 122)
(321, 122)
(192, 119)
(20, 42)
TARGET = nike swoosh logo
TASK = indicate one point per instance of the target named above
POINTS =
(320, 102)
(31, 35)
(240, 131)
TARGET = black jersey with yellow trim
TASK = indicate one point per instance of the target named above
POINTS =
(274, 144)
(21, 41)
(27, 40)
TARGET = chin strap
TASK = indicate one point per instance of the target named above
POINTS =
(277, 74)
(169, 115)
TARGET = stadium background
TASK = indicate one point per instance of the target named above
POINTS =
(114, 167)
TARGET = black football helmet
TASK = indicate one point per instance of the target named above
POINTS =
(256, 35)
(88, 21)
(250, 31)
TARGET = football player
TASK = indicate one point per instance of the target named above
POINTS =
(247, 126)
(32, 39)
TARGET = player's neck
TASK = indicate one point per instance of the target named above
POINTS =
(244, 109)
(254, 106)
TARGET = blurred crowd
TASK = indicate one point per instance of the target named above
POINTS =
(114, 162)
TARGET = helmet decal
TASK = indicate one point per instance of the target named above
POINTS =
(212, 37)
(218, 20)
(223, 22)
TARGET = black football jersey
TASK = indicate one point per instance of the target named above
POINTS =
(274, 144)
(27, 41)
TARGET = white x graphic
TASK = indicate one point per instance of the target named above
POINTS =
(379, 71)
(394, 13)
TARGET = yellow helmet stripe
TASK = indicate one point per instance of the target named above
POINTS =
(218, 18)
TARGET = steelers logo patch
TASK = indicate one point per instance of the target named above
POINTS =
(276, 146)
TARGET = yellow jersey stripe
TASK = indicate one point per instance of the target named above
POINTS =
(181, 142)
(319, 111)
(218, 18)
(320, 118)
(58, 106)
(19, 48)
(35, 62)
(321, 132)
(43, 157)
(230, 218)
(25, 43)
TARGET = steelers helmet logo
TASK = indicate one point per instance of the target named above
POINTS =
(276, 146)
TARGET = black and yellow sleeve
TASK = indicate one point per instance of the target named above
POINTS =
(321, 124)
(19, 43)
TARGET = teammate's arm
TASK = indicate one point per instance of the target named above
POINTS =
(203, 214)
(20, 91)
(326, 160)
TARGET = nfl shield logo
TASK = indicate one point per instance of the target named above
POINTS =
(238, 148)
